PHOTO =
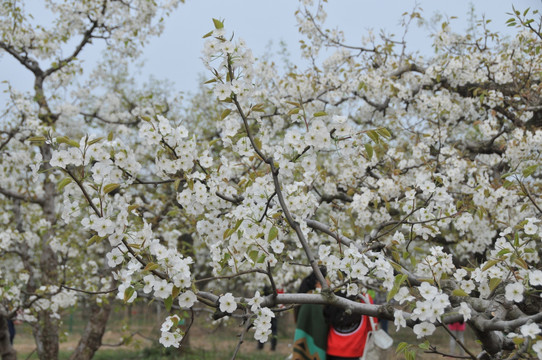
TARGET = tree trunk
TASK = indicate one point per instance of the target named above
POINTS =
(91, 340)
(7, 352)
(46, 336)
(47, 327)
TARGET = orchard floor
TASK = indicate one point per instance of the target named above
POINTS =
(207, 341)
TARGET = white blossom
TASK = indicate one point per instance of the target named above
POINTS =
(227, 303)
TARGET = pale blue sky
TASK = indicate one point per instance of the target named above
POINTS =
(176, 54)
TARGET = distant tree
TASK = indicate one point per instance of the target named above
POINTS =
(44, 254)
(415, 176)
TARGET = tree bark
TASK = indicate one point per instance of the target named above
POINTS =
(47, 328)
(46, 336)
(91, 340)
(7, 352)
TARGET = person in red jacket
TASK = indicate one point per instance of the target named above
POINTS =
(347, 333)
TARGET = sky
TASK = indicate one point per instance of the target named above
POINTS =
(176, 54)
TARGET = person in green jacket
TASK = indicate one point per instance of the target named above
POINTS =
(310, 338)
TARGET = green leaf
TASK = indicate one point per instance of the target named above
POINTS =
(369, 150)
(373, 135)
(68, 141)
(94, 141)
(62, 183)
(401, 347)
(94, 240)
(168, 303)
(208, 34)
(258, 108)
(172, 213)
(503, 252)
(507, 184)
(424, 345)
(490, 263)
(493, 283)
(176, 184)
(36, 139)
(459, 292)
(218, 24)
(319, 113)
(110, 136)
(128, 293)
(522, 263)
(253, 255)
(528, 171)
(225, 113)
(175, 292)
(151, 266)
(396, 266)
(237, 224)
(399, 280)
(62, 140)
(228, 233)
(258, 142)
(293, 111)
(261, 259)
(503, 176)
(384, 132)
(110, 187)
(273, 233)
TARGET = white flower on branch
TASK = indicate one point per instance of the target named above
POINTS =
(423, 329)
(227, 303)
(514, 292)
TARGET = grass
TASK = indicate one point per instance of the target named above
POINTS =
(207, 341)
(198, 354)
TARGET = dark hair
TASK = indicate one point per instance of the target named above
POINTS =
(308, 284)
(343, 321)
(310, 281)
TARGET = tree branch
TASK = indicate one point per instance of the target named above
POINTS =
(18, 196)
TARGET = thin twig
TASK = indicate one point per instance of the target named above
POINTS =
(241, 338)
(233, 199)
(274, 292)
(278, 189)
(473, 357)
(31, 353)
(528, 194)
(90, 292)
(188, 327)
(433, 350)
(84, 191)
(230, 276)
(335, 42)
(17, 196)
(267, 206)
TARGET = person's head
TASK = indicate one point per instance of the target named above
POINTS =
(311, 282)
(308, 284)
(341, 320)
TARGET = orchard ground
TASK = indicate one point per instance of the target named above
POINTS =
(207, 340)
